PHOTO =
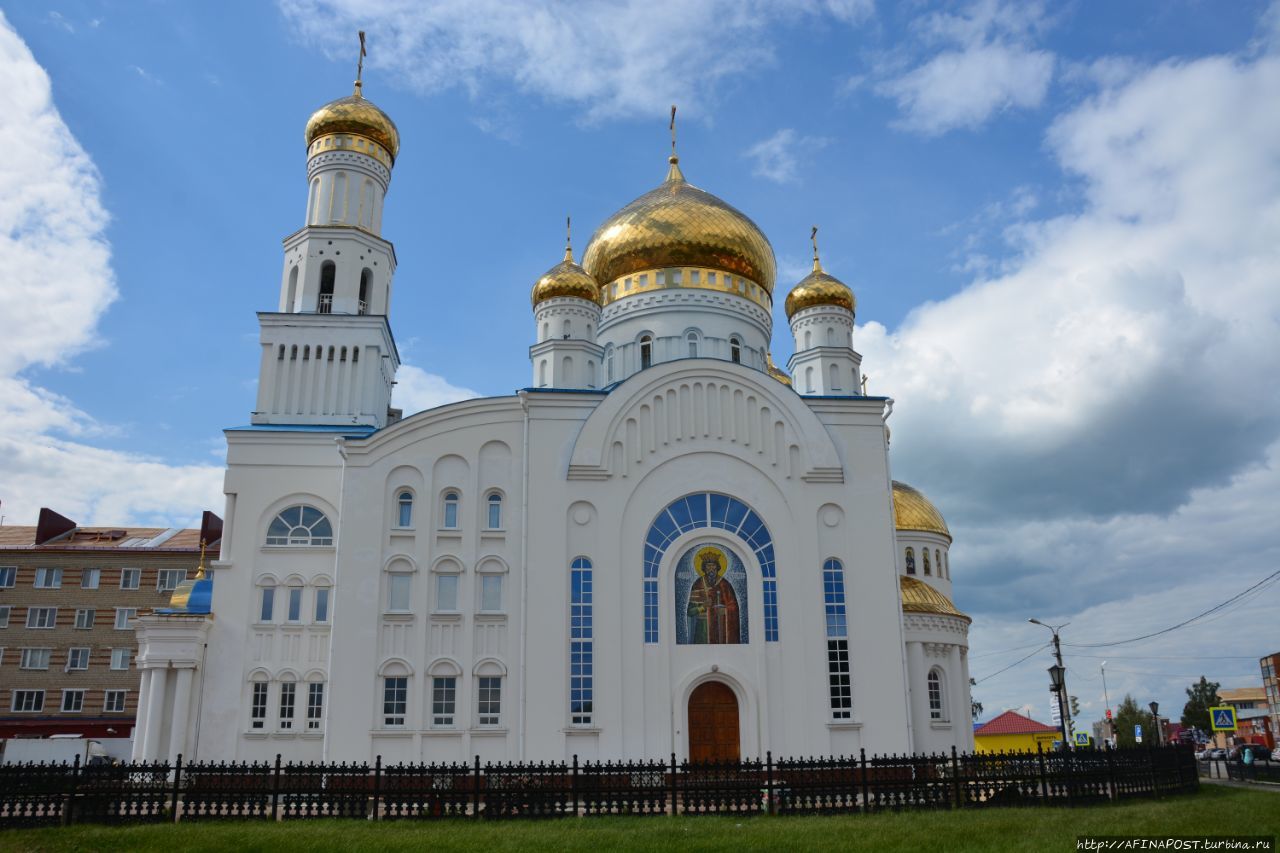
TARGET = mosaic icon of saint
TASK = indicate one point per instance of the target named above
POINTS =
(713, 605)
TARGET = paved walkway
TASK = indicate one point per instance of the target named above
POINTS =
(1232, 783)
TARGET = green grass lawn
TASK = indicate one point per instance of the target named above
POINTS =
(1215, 810)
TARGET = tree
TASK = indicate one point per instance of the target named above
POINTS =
(975, 707)
(1127, 716)
(1200, 698)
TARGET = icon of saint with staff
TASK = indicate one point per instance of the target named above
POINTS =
(713, 605)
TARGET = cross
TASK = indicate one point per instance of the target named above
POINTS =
(360, 64)
(673, 130)
(568, 239)
(813, 238)
(865, 377)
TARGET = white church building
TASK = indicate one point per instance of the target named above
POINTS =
(665, 544)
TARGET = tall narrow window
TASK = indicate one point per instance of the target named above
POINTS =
(446, 592)
(395, 700)
(808, 339)
(808, 380)
(291, 296)
(691, 340)
(449, 521)
(911, 561)
(268, 608)
(495, 512)
(489, 705)
(288, 698)
(835, 378)
(315, 705)
(580, 643)
(258, 706)
(404, 508)
(366, 278)
(937, 560)
(608, 365)
(840, 685)
(130, 578)
(89, 578)
(735, 350)
(936, 705)
(322, 604)
(295, 604)
(646, 352)
(542, 373)
(444, 696)
(328, 272)
(928, 568)
(398, 586)
(313, 206)
(491, 593)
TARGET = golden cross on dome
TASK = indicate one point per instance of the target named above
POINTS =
(360, 65)
(568, 238)
(673, 133)
(813, 238)
(200, 568)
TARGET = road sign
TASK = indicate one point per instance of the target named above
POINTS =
(1082, 738)
(1137, 733)
(1223, 719)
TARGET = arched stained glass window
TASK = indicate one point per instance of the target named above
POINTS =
(716, 511)
(300, 526)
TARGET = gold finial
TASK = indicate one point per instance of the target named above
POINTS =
(200, 568)
(674, 158)
(568, 239)
(865, 377)
(360, 67)
(813, 238)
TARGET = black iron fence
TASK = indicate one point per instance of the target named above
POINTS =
(39, 794)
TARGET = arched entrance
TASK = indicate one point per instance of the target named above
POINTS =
(713, 723)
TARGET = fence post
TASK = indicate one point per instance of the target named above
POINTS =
(377, 788)
(958, 801)
(177, 786)
(1111, 773)
(475, 791)
(573, 784)
(1151, 767)
(768, 782)
(866, 788)
(675, 789)
(68, 802)
(1069, 765)
(1044, 778)
(275, 790)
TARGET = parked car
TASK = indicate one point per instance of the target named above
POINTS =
(1217, 754)
(1261, 755)
(1275, 754)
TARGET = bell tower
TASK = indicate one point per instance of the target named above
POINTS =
(328, 355)
(820, 311)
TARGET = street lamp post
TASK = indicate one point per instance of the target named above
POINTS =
(1107, 699)
(1058, 675)
(1155, 721)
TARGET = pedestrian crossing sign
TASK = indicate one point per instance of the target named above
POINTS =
(1222, 719)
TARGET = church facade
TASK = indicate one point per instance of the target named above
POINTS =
(665, 544)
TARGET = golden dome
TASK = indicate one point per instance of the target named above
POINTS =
(777, 372)
(356, 116)
(819, 288)
(565, 279)
(679, 225)
(913, 511)
(919, 597)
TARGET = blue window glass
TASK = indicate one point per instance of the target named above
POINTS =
(405, 504)
(704, 510)
(833, 599)
(450, 520)
(580, 643)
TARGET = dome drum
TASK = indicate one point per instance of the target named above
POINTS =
(685, 278)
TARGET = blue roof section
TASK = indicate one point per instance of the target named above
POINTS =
(842, 397)
(600, 391)
(351, 431)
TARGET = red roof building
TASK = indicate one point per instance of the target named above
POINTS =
(1014, 732)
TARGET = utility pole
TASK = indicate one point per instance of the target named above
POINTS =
(1107, 700)
(1058, 676)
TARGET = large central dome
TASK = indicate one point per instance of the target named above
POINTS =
(679, 225)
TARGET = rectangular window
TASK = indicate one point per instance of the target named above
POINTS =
(123, 615)
(398, 592)
(167, 580)
(78, 658)
(42, 617)
(935, 696)
(130, 578)
(27, 701)
(35, 658)
(322, 604)
(450, 514)
(315, 705)
(446, 592)
(268, 604)
(838, 675)
(8, 574)
(120, 658)
(48, 578)
(395, 699)
(89, 578)
(444, 694)
(491, 592)
(495, 512)
(581, 665)
(84, 618)
(258, 706)
(72, 701)
(490, 700)
(288, 697)
(113, 701)
(295, 604)
(4, 616)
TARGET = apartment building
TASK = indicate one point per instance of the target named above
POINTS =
(67, 597)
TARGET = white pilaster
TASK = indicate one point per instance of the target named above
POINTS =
(155, 714)
(140, 723)
(919, 694)
(181, 711)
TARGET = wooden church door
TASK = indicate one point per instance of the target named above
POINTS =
(713, 723)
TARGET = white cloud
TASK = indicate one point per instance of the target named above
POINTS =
(417, 390)
(989, 65)
(777, 158)
(615, 57)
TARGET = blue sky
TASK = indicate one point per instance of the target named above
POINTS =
(1061, 222)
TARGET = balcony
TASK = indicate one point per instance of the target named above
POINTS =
(326, 304)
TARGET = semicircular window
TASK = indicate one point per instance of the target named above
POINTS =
(708, 509)
(300, 526)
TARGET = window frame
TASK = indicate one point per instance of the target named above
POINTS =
(162, 574)
(441, 577)
(8, 577)
(121, 655)
(48, 577)
(287, 705)
(318, 533)
(132, 613)
(444, 701)
(493, 502)
(90, 578)
(399, 591)
(5, 611)
(127, 574)
(36, 694)
(67, 693)
(35, 615)
(581, 643)
(293, 605)
(450, 509)
(114, 693)
(321, 605)
(315, 705)
(78, 651)
(936, 690)
(404, 510)
(25, 658)
(488, 582)
(267, 604)
(259, 701)
(488, 696)
(395, 701)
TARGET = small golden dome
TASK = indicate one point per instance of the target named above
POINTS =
(565, 279)
(679, 225)
(913, 511)
(777, 372)
(819, 288)
(356, 116)
(919, 597)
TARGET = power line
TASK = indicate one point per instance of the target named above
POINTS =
(1004, 651)
(1257, 587)
(1012, 665)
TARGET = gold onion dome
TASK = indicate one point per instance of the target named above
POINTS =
(356, 116)
(679, 225)
(819, 288)
(565, 279)
(919, 597)
(913, 511)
